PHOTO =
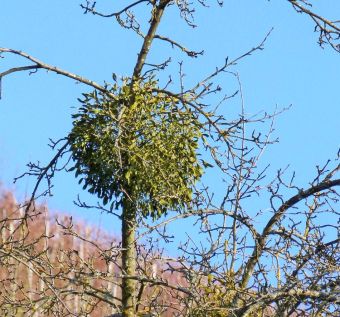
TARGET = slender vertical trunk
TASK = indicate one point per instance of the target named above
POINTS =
(128, 259)
(156, 16)
(129, 211)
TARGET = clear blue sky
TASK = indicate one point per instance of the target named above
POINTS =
(292, 69)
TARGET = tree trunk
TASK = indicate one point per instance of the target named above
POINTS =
(128, 259)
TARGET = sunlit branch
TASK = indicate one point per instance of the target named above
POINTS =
(329, 30)
(182, 48)
(41, 276)
(230, 63)
(261, 241)
(40, 64)
(157, 13)
(91, 9)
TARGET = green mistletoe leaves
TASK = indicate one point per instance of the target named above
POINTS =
(141, 144)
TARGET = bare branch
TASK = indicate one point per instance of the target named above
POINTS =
(157, 13)
(329, 30)
(182, 48)
(91, 9)
(261, 241)
(230, 63)
(43, 174)
(40, 64)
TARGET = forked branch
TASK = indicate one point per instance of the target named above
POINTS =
(329, 30)
(326, 184)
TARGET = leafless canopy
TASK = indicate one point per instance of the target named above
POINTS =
(266, 247)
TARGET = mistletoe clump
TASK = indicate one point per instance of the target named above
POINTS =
(137, 143)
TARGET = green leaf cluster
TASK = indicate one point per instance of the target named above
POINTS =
(141, 144)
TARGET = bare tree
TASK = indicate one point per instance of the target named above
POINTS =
(137, 145)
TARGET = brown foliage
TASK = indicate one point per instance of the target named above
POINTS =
(54, 267)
